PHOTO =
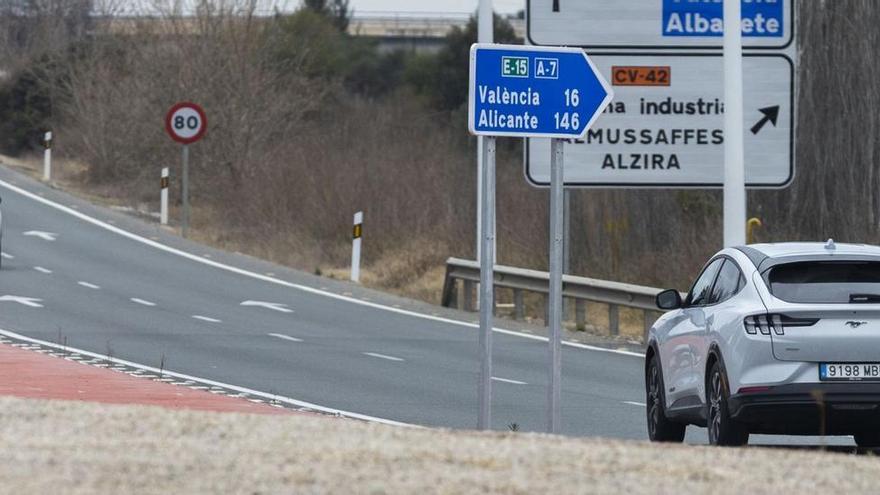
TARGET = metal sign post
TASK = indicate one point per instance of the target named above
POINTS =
(186, 123)
(734, 160)
(518, 91)
(487, 285)
(485, 34)
(557, 214)
(184, 181)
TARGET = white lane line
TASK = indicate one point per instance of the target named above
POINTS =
(7, 256)
(383, 356)
(205, 318)
(285, 337)
(256, 393)
(24, 301)
(142, 301)
(303, 288)
(89, 285)
(637, 404)
(43, 270)
(46, 236)
(282, 308)
(506, 380)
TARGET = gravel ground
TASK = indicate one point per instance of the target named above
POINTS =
(75, 447)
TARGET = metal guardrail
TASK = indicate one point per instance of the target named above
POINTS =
(578, 289)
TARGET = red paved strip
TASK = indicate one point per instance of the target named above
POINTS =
(34, 375)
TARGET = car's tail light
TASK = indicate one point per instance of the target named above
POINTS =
(774, 323)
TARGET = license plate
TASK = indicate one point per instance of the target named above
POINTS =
(849, 372)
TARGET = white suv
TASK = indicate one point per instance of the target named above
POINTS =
(771, 339)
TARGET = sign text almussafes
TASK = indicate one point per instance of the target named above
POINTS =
(526, 91)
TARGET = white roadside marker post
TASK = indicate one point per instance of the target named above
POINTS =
(47, 156)
(734, 147)
(163, 206)
(357, 235)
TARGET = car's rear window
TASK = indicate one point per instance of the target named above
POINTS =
(829, 282)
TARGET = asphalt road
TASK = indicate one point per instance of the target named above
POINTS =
(257, 325)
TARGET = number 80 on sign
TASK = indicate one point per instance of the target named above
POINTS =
(186, 123)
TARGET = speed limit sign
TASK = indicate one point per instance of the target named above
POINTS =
(186, 123)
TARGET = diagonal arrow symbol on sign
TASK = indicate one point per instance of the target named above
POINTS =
(25, 301)
(281, 308)
(46, 236)
(771, 114)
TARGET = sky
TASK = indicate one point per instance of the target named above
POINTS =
(502, 6)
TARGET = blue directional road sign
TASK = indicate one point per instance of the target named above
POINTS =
(530, 91)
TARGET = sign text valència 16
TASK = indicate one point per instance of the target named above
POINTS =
(518, 91)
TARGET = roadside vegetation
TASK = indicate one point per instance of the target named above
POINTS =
(309, 124)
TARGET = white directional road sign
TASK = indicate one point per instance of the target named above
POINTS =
(665, 127)
(651, 24)
(522, 91)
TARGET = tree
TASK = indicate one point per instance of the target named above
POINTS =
(336, 10)
(443, 77)
(30, 29)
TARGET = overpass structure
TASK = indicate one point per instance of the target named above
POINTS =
(414, 31)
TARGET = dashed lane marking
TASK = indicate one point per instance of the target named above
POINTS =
(383, 356)
(89, 285)
(285, 337)
(43, 270)
(507, 380)
(208, 319)
(143, 302)
(637, 404)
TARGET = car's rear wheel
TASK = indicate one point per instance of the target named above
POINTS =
(868, 440)
(660, 428)
(723, 430)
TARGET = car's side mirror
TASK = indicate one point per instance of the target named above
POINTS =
(669, 300)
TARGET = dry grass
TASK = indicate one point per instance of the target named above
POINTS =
(70, 447)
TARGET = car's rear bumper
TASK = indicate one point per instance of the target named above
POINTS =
(810, 408)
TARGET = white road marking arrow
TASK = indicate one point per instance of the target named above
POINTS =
(273, 306)
(46, 236)
(26, 301)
